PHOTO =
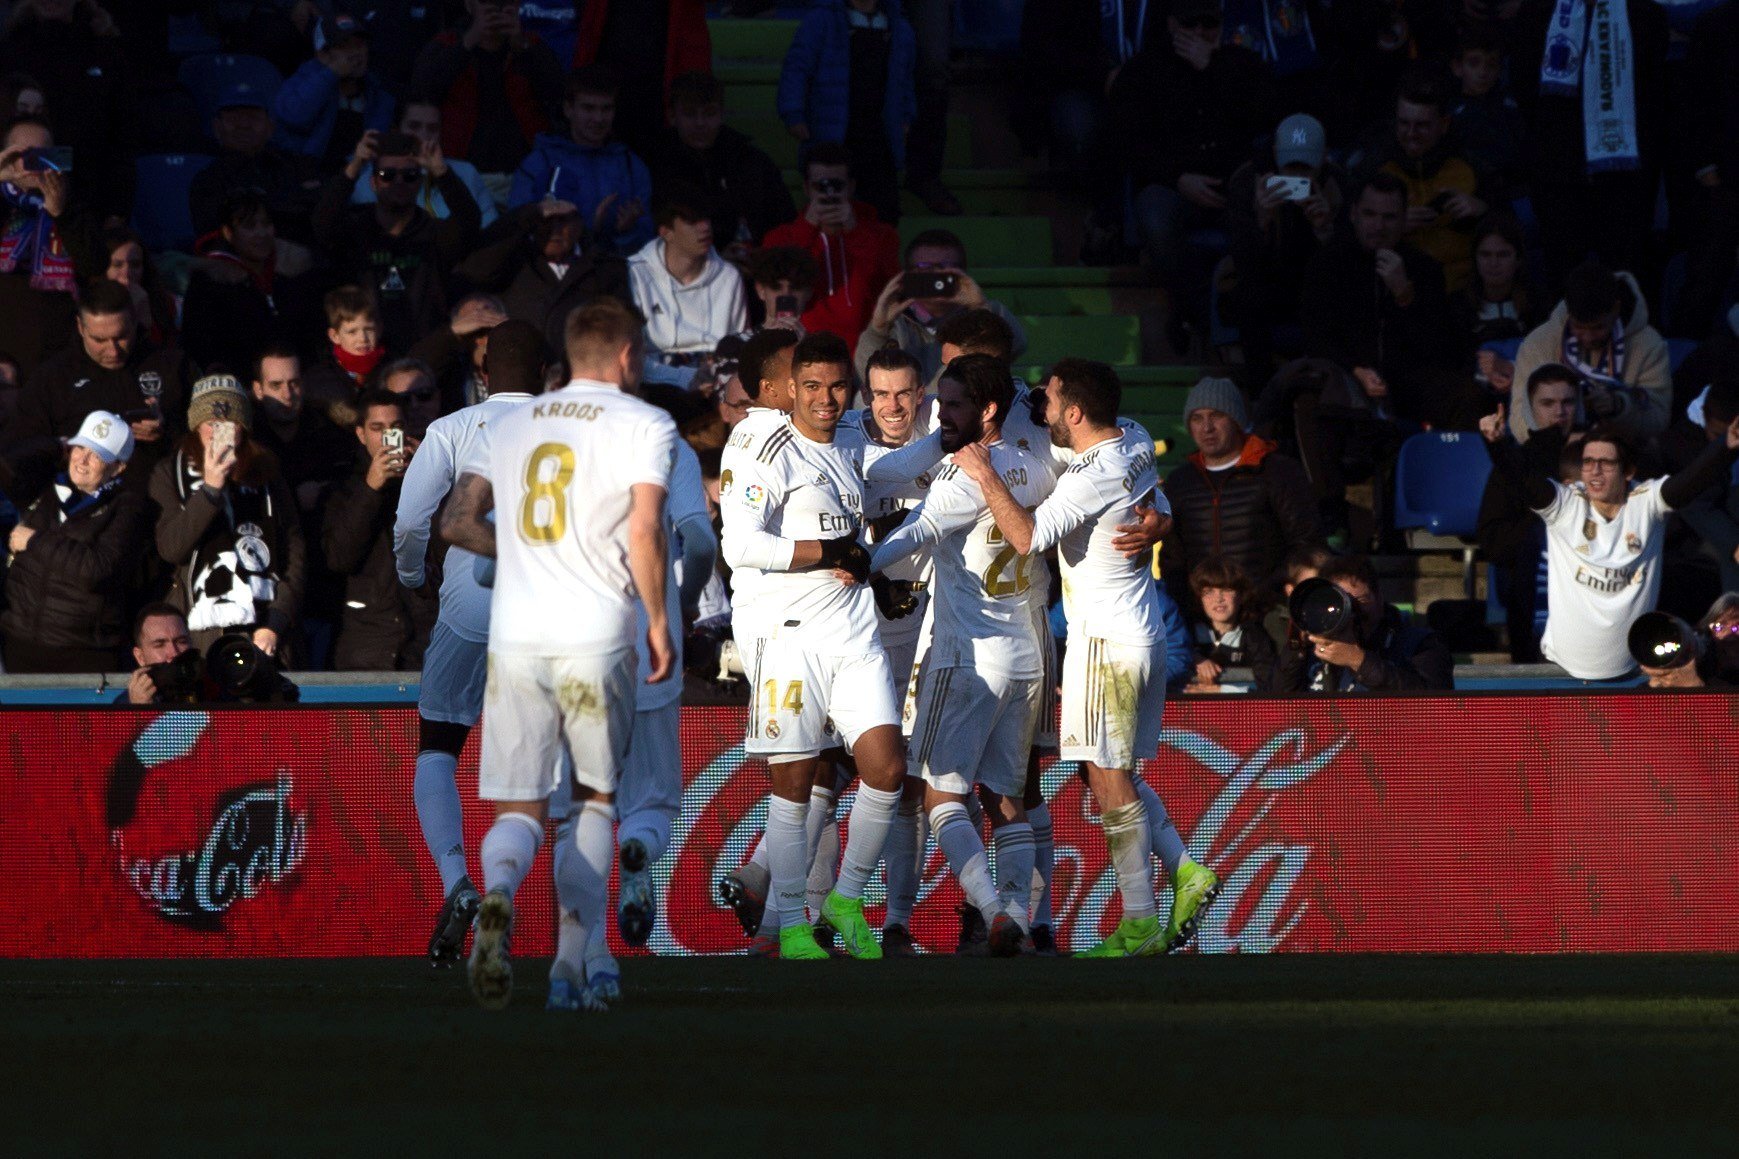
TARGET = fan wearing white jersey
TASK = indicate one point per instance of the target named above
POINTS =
(981, 689)
(581, 477)
(794, 512)
(451, 696)
(1114, 669)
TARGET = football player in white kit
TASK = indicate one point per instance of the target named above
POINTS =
(794, 513)
(1114, 668)
(580, 477)
(451, 696)
(981, 689)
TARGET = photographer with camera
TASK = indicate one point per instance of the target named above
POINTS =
(172, 671)
(1345, 639)
(1672, 654)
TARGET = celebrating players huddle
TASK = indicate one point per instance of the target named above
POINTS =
(872, 563)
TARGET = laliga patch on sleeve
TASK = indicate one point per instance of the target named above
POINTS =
(755, 496)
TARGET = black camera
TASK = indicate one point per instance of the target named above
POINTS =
(241, 672)
(179, 681)
(1662, 640)
(1322, 609)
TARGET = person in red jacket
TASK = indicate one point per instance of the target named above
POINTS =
(627, 34)
(498, 86)
(856, 252)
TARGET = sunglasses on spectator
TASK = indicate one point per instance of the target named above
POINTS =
(829, 185)
(388, 176)
(423, 395)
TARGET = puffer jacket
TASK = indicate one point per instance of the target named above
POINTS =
(815, 80)
(306, 109)
(558, 167)
(1252, 513)
(68, 588)
(382, 629)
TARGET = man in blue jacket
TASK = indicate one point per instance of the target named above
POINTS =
(608, 182)
(848, 78)
(327, 104)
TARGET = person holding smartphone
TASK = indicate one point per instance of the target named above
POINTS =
(933, 287)
(229, 525)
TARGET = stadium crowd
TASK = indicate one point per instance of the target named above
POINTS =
(1380, 219)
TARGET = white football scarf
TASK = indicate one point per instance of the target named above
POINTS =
(1609, 94)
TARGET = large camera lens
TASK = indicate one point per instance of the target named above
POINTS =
(1662, 640)
(1321, 608)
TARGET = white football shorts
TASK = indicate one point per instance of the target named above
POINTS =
(651, 772)
(1113, 699)
(804, 702)
(974, 728)
(533, 705)
(454, 672)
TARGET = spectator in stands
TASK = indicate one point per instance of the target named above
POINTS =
(247, 161)
(380, 629)
(108, 369)
(1236, 498)
(733, 399)
(332, 100)
(47, 239)
(633, 37)
(848, 79)
(856, 250)
(538, 262)
(1714, 159)
(74, 50)
(783, 280)
(1716, 665)
(412, 382)
(1497, 304)
(312, 453)
(1184, 111)
(1385, 652)
(743, 185)
(933, 41)
(1228, 622)
(1275, 234)
(250, 288)
(690, 296)
(1601, 331)
(393, 247)
(420, 118)
(353, 353)
(1446, 195)
(1604, 538)
(1714, 513)
(73, 553)
(159, 635)
(455, 352)
(130, 266)
(498, 86)
(1483, 116)
(588, 168)
(1302, 563)
(21, 96)
(229, 525)
(11, 382)
(912, 324)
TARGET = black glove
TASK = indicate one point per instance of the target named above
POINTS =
(846, 554)
(895, 599)
(883, 525)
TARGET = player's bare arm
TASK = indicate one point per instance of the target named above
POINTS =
(648, 562)
(1014, 521)
(465, 523)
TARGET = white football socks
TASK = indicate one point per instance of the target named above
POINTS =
(439, 815)
(821, 836)
(788, 862)
(1044, 863)
(1127, 834)
(964, 850)
(1014, 870)
(570, 960)
(508, 850)
(872, 815)
(1164, 839)
(903, 859)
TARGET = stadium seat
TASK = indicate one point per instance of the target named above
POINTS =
(765, 129)
(1440, 479)
(1113, 338)
(208, 75)
(758, 39)
(1056, 299)
(990, 241)
(160, 210)
(1679, 349)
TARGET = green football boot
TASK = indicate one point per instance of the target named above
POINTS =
(845, 914)
(798, 944)
(1193, 890)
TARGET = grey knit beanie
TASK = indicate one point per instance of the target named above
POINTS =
(1221, 394)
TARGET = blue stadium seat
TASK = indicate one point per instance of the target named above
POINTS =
(1679, 349)
(1440, 478)
(160, 211)
(1505, 348)
(208, 75)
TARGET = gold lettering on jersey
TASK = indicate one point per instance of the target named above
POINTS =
(1607, 580)
(583, 411)
(1142, 462)
(838, 524)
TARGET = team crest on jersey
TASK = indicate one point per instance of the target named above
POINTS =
(755, 495)
(725, 481)
(151, 384)
(772, 730)
(1633, 543)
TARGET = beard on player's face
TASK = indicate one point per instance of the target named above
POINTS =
(960, 433)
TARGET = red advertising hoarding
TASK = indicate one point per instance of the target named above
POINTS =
(1471, 823)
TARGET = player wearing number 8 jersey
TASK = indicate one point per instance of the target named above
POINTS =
(1114, 669)
(981, 686)
(578, 478)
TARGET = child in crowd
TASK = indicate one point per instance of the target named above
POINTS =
(1228, 629)
(353, 331)
(1486, 118)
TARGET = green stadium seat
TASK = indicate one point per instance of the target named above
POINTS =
(990, 241)
(753, 100)
(1113, 338)
(769, 132)
(990, 275)
(759, 40)
(1056, 299)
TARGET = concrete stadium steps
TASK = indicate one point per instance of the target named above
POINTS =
(769, 132)
(1113, 338)
(758, 39)
(990, 241)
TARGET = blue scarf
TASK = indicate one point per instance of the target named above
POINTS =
(30, 242)
(73, 501)
(1609, 86)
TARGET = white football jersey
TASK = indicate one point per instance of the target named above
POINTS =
(748, 438)
(562, 466)
(885, 499)
(985, 594)
(450, 441)
(1600, 577)
(794, 489)
(687, 499)
(1105, 595)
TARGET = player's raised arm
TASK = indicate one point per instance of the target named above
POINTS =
(465, 523)
(649, 564)
(947, 508)
(427, 480)
(899, 467)
(1014, 521)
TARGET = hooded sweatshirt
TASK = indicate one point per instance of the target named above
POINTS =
(583, 175)
(686, 319)
(853, 268)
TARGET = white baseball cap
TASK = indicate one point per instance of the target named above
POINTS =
(106, 434)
